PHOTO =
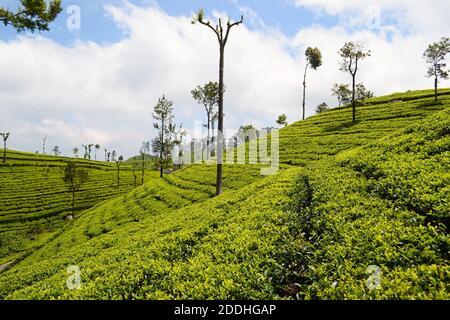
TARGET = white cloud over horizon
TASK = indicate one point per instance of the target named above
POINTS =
(105, 93)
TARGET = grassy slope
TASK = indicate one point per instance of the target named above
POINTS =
(35, 200)
(155, 243)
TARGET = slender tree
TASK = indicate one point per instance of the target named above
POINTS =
(222, 32)
(109, 156)
(75, 177)
(144, 151)
(44, 141)
(75, 152)
(162, 113)
(313, 60)
(352, 53)
(113, 156)
(31, 15)
(208, 97)
(106, 155)
(282, 120)
(90, 150)
(134, 167)
(5, 137)
(435, 58)
(97, 147)
(85, 156)
(118, 164)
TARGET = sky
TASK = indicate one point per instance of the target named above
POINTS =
(96, 76)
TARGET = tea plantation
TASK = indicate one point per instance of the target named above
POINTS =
(357, 211)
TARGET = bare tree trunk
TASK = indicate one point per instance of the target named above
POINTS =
(118, 176)
(161, 152)
(220, 121)
(304, 93)
(435, 89)
(73, 201)
(143, 169)
(353, 99)
(208, 142)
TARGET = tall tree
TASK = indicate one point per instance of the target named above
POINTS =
(282, 120)
(31, 15)
(113, 156)
(75, 177)
(313, 60)
(144, 151)
(321, 108)
(75, 152)
(90, 150)
(222, 32)
(208, 97)
(106, 154)
(97, 147)
(352, 53)
(85, 156)
(435, 58)
(118, 164)
(163, 114)
(44, 141)
(343, 93)
(5, 137)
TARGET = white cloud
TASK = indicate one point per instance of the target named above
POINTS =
(92, 93)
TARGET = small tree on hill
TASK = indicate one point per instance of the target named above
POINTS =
(106, 154)
(162, 144)
(31, 15)
(362, 94)
(282, 120)
(5, 137)
(74, 177)
(75, 152)
(343, 93)
(435, 58)
(56, 150)
(134, 167)
(113, 156)
(97, 147)
(208, 97)
(145, 150)
(352, 53)
(313, 60)
(118, 164)
(323, 107)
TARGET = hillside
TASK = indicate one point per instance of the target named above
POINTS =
(348, 196)
(35, 200)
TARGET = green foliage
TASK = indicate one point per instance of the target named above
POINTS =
(321, 108)
(350, 223)
(313, 57)
(282, 120)
(31, 15)
(374, 193)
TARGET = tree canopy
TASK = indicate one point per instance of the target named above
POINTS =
(31, 15)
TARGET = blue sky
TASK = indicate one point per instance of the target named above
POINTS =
(97, 26)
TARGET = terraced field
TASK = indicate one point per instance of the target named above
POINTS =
(332, 132)
(310, 231)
